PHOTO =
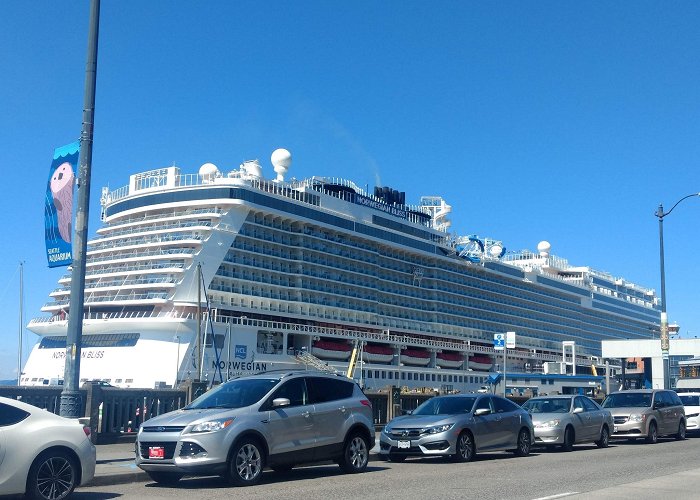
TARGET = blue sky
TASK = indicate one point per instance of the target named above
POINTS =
(561, 121)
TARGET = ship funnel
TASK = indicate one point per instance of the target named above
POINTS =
(281, 160)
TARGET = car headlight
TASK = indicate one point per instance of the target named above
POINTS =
(387, 431)
(548, 424)
(438, 428)
(691, 415)
(636, 417)
(210, 426)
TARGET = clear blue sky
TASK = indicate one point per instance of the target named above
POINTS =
(564, 121)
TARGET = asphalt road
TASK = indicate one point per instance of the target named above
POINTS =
(637, 471)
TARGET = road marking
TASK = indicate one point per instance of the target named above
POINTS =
(559, 495)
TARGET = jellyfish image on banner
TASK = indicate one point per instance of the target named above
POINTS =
(62, 191)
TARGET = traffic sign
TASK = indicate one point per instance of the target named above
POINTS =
(510, 340)
(499, 341)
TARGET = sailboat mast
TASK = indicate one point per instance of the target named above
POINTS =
(21, 318)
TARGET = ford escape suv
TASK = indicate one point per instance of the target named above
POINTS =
(646, 413)
(274, 419)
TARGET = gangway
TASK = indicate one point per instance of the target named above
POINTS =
(309, 359)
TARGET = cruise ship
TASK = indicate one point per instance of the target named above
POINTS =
(216, 274)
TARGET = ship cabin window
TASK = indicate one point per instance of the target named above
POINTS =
(129, 381)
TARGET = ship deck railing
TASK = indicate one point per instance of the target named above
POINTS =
(165, 215)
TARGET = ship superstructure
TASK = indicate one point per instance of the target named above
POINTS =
(317, 266)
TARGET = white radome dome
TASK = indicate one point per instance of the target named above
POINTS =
(543, 247)
(208, 170)
(281, 159)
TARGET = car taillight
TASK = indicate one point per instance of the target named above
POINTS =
(366, 402)
(86, 430)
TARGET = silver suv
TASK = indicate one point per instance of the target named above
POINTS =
(646, 413)
(274, 419)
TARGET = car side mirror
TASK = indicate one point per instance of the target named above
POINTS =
(406, 412)
(482, 411)
(578, 409)
(279, 402)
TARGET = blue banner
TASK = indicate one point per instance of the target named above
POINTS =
(58, 205)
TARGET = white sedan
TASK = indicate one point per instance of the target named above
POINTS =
(691, 402)
(42, 455)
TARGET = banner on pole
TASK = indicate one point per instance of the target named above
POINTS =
(58, 205)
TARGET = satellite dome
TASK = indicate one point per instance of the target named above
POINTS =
(544, 247)
(281, 160)
(208, 170)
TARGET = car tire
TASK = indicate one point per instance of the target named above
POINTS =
(52, 476)
(162, 477)
(355, 454)
(653, 434)
(524, 443)
(680, 436)
(604, 440)
(569, 438)
(392, 457)
(246, 463)
(465, 449)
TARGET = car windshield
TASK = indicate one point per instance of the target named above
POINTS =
(445, 406)
(690, 400)
(234, 394)
(627, 399)
(549, 405)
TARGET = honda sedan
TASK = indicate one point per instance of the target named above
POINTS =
(459, 426)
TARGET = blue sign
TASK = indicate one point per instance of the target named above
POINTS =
(58, 205)
(499, 341)
(241, 351)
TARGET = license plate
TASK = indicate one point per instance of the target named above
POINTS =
(156, 452)
(404, 444)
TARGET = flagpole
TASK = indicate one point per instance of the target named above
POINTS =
(71, 404)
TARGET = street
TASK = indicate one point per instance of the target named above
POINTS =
(637, 469)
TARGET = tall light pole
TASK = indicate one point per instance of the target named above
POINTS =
(660, 214)
(71, 402)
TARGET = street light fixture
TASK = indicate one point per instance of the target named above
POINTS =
(660, 214)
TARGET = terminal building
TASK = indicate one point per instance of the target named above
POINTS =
(642, 364)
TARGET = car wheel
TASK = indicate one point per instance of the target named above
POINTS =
(392, 457)
(53, 476)
(246, 464)
(465, 448)
(604, 440)
(569, 438)
(161, 477)
(681, 431)
(524, 443)
(652, 436)
(355, 454)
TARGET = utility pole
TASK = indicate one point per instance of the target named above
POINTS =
(71, 404)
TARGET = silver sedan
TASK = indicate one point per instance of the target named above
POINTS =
(458, 426)
(568, 420)
(42, 455)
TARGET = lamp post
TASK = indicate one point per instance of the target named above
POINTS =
(177, 360)
(660, 214)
